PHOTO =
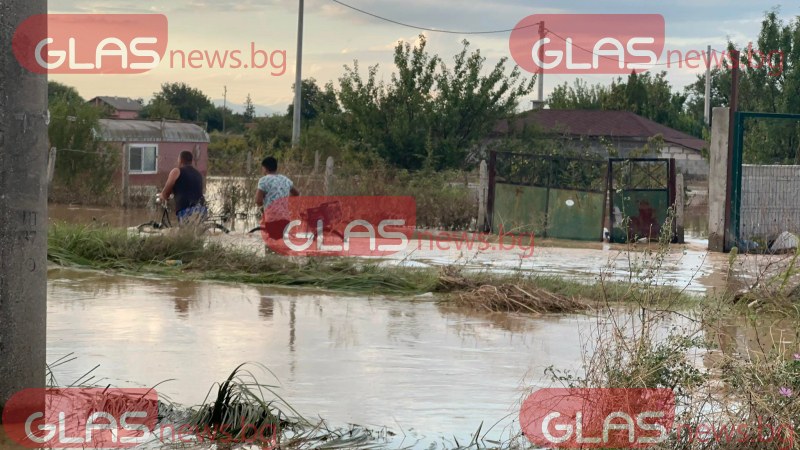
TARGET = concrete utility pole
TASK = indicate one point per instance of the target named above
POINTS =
(298, 79)
(707, 108)
(23, 210)
(224, 106)
(541, 69)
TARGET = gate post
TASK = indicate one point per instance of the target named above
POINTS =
(679, 208)
(483, 186)
(718, 179)
(329, 176)
(490, 196)
(673, 194)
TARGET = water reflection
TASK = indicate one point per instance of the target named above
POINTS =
(184, 294)
(377, 361)
(737, 337)
(266, 307)
(403, 363)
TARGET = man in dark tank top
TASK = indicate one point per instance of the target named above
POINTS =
(186, 183)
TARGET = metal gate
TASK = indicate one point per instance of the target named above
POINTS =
(642, 191)
(549, 196)
(763, 210)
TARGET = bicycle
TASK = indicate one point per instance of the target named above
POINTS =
(330, 213)
(208, 224)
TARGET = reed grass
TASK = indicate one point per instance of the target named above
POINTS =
(115, 249)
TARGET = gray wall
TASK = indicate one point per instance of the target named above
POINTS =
(687, 161)
(770, 201)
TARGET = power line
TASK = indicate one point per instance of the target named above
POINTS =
(434, 30)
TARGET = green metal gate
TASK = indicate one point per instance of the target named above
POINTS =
(642, 190)
(549, 196)
(767, 204)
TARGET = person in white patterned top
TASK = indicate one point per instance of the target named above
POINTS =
(271, 187)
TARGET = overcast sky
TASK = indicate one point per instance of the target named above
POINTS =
(335, 36)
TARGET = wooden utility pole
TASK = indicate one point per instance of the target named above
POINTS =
(23, 210)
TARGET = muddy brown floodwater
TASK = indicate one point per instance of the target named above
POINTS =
(404, 363)
(425, 371)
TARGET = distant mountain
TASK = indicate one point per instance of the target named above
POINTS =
(261, 110)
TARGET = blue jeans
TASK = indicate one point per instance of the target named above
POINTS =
(193, 214)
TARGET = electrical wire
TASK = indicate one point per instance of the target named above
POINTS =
(434, 30)
(549, 31)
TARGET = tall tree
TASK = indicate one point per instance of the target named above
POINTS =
(315, 102)
(769, 81)
(56, 90)
(249, 109)
(159, 108)
(428, 115)
(646, 94)
(189, 102)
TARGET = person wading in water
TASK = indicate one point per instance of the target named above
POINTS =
(186, 183)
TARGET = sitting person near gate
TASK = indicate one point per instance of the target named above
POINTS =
(186, 183)
(271, 187)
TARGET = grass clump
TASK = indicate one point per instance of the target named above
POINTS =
(515, 298)
(112, 248)
(116, 249)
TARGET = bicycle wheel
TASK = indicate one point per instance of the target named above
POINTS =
(215, 228)
(150, 227)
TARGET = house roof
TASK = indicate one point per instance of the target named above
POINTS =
(596, 123)
(124, 130)
(119, 103)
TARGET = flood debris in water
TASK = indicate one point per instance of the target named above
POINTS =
(518, 298)
(509, 295)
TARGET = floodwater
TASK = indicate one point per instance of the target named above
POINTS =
(422, 370)
(690, 266)
(408, 364)
(427, 372)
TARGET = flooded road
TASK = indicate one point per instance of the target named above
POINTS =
(425, 371)
(404, 363)
(690, 266)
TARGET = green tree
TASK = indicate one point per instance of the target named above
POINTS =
(271, 134)
(769, 81)
(159, 108)
(249, 110)
(315, 102)
(646, 94)
(428, 115)
(187, 101)
(56, 90)
(84, 166)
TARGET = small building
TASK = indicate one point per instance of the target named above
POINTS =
(150, 149)
(118, 107)
(625, 131)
